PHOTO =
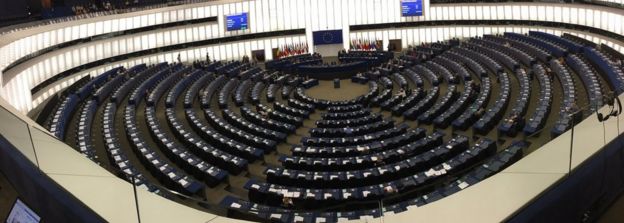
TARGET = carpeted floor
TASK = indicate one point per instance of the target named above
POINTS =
(348, 90)
(615, 213)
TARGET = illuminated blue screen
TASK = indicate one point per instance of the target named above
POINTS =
(411, 7)
(22, 213)
(236, 22)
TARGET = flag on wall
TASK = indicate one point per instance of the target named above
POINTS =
(292, 49)
(365, 45)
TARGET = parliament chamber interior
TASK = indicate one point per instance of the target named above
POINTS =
(311, 111)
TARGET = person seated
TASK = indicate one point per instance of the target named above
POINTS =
(510, 121)
(264, 114)
(378, 161)
(389, 189)
(287, 201)
(479, 112)
(401, 93)
(475, 86)
(513, 119)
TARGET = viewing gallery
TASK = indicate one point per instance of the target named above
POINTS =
(311, 111)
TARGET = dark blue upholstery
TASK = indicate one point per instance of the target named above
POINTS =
(537, 120)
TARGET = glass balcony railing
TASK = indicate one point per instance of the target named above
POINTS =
(584, 137)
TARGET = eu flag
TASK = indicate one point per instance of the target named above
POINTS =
(327, 37)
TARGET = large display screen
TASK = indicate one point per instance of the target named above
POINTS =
(327, 37)
(411, 7)
(236, 22)
(21, 213)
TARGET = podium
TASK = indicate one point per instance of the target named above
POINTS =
(310, 83)
(336, 83)
(359, 80)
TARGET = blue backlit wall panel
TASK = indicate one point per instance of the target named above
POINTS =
(411, 8)
(238, 21)
(327, 37)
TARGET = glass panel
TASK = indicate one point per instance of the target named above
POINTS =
(17, 132)
(594, 128)
(175, 196)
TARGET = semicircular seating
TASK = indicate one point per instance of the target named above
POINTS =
(264, 147)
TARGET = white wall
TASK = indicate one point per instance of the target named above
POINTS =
(417, 35)
(217, 52)
(46, 66)
(329, 50)
(275, 15)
